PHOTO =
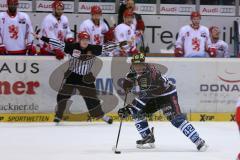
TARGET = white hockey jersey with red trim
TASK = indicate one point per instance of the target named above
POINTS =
(193, 41)
(124, 32)
(222, 49)
(56, 29)
(15, 32)
(95, 31)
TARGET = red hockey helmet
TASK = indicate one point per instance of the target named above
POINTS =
(12, 2)
(96, 10)
(83, 35)
(195, 14)
(57, 3)
(128, 13)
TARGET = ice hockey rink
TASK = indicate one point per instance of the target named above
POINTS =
(94, 141)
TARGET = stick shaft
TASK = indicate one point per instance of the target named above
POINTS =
(120, 126)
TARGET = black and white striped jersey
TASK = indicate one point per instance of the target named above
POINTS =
(82, 60)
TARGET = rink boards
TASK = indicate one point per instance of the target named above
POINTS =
(207, 88)
(48, 117)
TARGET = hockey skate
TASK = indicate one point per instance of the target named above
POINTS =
(201, 145)
(57, 120)
(147, 142)
(107, 119)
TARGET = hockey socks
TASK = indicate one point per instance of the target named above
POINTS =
(189, 131)
(142, 127)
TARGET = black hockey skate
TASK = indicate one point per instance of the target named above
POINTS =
(201, 145)
(107, 119)
(57, 120)
(148, 140)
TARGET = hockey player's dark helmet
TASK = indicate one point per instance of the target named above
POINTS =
(138, 58)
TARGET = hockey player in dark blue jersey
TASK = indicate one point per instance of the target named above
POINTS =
(154, 92)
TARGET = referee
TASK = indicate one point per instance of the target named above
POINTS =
(79, 75)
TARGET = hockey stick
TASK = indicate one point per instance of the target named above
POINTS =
(116, 151)
(113, 45)
(36, 30)
(143, 45)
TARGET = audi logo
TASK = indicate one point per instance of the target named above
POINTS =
(24, 5)
(227, 10)
(147, 8)
(107, 7)
(68, 6)
(185, 9)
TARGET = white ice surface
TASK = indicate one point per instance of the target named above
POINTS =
(94, 141)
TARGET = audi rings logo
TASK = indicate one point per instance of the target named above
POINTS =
(107, 7)
(68, 6)
(146, 8)
(24, 5)
(226, 10)
(185, 9)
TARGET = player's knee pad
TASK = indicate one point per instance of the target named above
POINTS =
(178, 120)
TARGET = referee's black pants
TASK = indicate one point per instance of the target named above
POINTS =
(86, 87)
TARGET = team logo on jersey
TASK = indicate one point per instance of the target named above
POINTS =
(188, 34)
(93, 29)
(65, 25)
(203, 34)
(76, 53)
(13, 30)
(196, 44)
(22, 21)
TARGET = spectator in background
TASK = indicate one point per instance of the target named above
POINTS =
(137, 20)
(193, 39)
(15, 31)
(220, 45)
(56, 26)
